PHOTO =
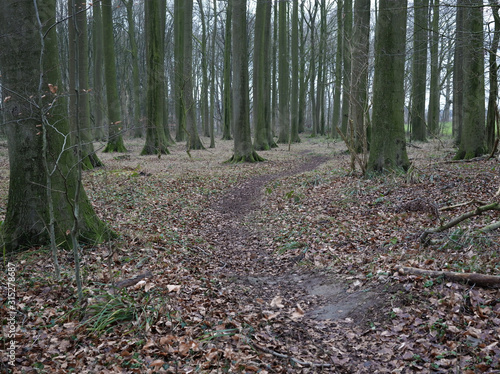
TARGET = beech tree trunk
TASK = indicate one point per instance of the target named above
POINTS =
(284, 75)
(115, 138)
(419, 74)
(472, 142)
(243, 148)
(36, 121)
(79, 109)
(156, 140)
(262, 76)
(228, 105)
(388, 143)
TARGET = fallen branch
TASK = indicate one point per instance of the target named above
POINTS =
(299, 362)
(478, 211)
(132, 281)
(450, 207)
(475, 278)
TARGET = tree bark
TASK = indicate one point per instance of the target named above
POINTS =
(419, 74)
(493, 78)
(156, 140)
(359, 73)
(434, 89)
(388, 143)
(228, 105)
(262, 76)
(284, 75)
(243, 149)
(294, 105)
(473, 135)
(115, 138)
(36, 114)
(138, 127)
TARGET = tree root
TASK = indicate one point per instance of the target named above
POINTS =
(482, 280)
(252, 157)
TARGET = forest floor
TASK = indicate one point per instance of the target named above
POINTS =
(285, 266)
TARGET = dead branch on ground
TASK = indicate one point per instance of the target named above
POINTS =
(476, 212)
(478, 279)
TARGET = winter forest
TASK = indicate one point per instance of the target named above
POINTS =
(249, 186)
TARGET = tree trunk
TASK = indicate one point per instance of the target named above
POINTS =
(458, 73)
(115, 139)
(180, 133)
(284, 75)
(433, 111)
(98, 105)
(204, 72)
(36, 116)
(261, 76)
(228, 105)
(493, 72)
(359, 72)
(294, 105)
(156, 140)
(346, 56)
(388, 143)
(79, 84)
(136, 98)
(212, 80)
(243, 149)
(188, 102)
(472, 140)
(419, 74)
(303, 75)
(337, 97)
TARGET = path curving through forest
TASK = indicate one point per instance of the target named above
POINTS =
(262, 280)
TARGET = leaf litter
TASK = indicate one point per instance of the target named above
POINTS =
(277, 267)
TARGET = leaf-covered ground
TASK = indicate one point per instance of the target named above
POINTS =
(286, 266)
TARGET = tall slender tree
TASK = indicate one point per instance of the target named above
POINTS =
(294, 105)
(228, 105)
(180, 133)
(284, 74)
(204, 72)
(79, 83)
(156, 140)
(346, 61)
(493, 79)
(458, 72)
(134, 54)
(388, 143)
(358, 111)
(98, 90)
(243, 148)
(472, 142)
(262, 76)
(213, 78)
(419, 73)
(434, 89)
(337, 96)
(115, 138)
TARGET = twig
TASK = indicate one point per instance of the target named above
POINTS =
(462, 204)
(299, 362)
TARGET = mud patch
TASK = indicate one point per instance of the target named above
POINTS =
(326, 297)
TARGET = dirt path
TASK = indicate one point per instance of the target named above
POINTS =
(261, 280)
